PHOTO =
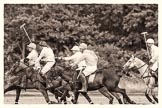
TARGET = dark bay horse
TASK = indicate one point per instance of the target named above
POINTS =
(14, 76)
(68, 75)
(105, 77)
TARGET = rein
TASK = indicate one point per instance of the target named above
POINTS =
(142, 76)
(21, 70)
(24, 68)
(141, 66)
(144, 73)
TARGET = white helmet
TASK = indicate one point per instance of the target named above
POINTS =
(83, 46)
(43, 43)
(75, 48)
(32, 45)
(151, 41)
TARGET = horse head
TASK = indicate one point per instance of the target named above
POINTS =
(130, 63)
(13, 69)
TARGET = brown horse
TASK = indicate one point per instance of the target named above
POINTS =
(68, 75)
(103, 78)
(13, 79)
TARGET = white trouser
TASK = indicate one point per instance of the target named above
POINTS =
(89, 70)
(47, 67)
(154, 66)
(80, 67)
(36, 66)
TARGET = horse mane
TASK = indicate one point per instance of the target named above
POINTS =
(12, 70)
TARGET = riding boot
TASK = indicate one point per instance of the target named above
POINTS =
(84, 83)
(49, 84)
(156, 77)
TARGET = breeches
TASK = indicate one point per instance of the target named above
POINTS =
(154, 66)
(47, 67)
(89, 70)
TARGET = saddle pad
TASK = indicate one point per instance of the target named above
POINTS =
(91, 78)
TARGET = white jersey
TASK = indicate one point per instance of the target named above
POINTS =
(154, 51)
(90, 58)
(32, 56)
(47, 55)
(91, 61)
(75, 58)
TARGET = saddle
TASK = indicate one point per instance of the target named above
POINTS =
(89, 78)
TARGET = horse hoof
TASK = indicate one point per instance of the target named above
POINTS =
(52, 102)
(91, 103)
(153, 102)
(132, 102)
(59, 102)
(126, 103)
(16, 103)
(111, 101)
(65, 102)
(120, 101)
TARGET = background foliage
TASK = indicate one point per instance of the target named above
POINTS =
(113, 31)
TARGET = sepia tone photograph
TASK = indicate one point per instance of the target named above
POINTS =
(81, 54)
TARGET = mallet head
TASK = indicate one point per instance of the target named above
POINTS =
(22, 26)
(144, 33)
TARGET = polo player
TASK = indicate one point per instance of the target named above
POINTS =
(30, 60)
(154, 53)
(48, 57)
(91, 61)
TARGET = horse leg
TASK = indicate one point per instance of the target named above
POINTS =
(105, 92)
(154, 95)
(70, 97)
(147, 95)
(8, 88)
(76, 95)
(18, 91)
(63, 97)
(45, 94)
(125, 96)
(152, 88)
(117, 97)
(57, 98)
(57, 94)
(87, 97)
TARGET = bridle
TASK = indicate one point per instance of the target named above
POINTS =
(139, 68)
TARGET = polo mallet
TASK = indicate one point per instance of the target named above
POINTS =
(79, 74)
(22, 27)
(144, 34)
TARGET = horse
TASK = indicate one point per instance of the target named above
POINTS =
(14, 76)
(146, 75)
(66, 74)
(103, 79)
